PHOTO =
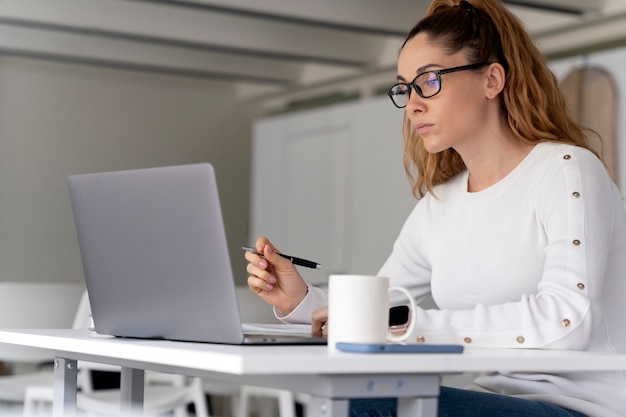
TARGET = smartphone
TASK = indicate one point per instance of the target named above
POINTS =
(398, 348)
(399, 316)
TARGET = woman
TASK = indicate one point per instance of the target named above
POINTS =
(519, 233)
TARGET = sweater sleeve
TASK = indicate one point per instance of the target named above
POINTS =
(576, 203)
(315, 298)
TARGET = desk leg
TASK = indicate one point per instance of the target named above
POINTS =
(327, 407)
(417, 407)
(64, 398)
(410, 407)
(131, 392)
(417, 394)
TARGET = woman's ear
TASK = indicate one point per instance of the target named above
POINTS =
(496, 78)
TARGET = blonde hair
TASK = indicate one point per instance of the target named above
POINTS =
(531, 100)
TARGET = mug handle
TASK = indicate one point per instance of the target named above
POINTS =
(412, 320)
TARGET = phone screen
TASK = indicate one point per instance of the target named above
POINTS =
(398, 316)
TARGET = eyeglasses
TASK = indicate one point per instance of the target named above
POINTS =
(426, 84)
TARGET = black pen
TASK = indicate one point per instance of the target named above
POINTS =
(293, 259)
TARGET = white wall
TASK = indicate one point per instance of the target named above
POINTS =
(58, 119)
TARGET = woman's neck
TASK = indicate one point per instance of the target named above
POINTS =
(492, 158)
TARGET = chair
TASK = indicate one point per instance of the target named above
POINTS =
(229, 391)
(163, 393)
(35, 305)
(286, 400)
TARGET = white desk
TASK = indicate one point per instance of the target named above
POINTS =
(330, 379)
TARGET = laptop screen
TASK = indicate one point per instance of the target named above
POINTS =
(154, 254)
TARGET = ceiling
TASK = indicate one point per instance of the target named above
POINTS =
(268, 49)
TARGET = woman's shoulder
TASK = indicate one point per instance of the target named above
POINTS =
(557, 151)
(566, 159)
(567, 165)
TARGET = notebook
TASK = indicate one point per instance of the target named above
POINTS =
(155, 257)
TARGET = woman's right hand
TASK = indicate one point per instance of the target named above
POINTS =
(274, 278)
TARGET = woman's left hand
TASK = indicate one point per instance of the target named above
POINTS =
(319, 322)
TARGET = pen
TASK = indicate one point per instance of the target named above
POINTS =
(294, 260)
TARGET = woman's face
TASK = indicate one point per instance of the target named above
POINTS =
(455, 116)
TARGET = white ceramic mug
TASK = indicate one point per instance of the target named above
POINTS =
(358, 310)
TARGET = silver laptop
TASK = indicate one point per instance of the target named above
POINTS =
(155, 257)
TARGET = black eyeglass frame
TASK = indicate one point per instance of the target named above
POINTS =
(418, 90)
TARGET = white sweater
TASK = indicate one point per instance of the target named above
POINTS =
(537, 260)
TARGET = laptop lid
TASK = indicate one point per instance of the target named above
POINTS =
(155, 256)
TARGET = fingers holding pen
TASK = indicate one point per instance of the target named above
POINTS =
(265, 256)
(256, 260)
(262, 266)
(262, 243)
(260, 278)
(273, 276)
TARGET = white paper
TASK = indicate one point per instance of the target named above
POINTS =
(271, 328)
